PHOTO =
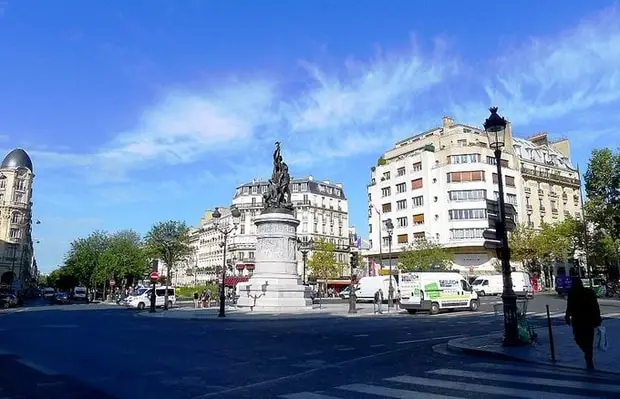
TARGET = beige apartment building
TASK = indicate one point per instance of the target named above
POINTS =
(16, 243)
(434, 185)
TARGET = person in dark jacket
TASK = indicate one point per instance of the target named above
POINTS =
(584, 314)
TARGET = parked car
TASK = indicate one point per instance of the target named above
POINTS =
(61, 298)
(5, 301)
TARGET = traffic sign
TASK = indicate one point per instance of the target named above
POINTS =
(493, 214)
(112, 283)
(492, 244)
(490, 234)
(154, 276)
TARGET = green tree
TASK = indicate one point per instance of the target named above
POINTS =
(169, 241)
(602, 183)
(522, 247)
(423, 256)
(323, 263)
(124, 258)
(83, 261)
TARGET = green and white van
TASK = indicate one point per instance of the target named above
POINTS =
(436, 291)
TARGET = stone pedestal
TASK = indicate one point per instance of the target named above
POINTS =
(275, 285)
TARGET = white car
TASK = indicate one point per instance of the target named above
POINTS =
(141, 298)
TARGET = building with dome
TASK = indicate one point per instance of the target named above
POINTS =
(16, 245)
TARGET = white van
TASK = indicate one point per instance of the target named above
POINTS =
(521, 284)
(141, 298)
(489, 285)
(368, 286)
(436, 291)
(80, 294)
(48, 292)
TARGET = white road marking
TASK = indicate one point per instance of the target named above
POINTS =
(488, 389)
(60, 326)
(414, 341)
(313, 353)
(39, 368)
(279, 358)
(539, 370)
(360, 335)
(527, 380)
(345, 349)
(377, 345)
(392, 392)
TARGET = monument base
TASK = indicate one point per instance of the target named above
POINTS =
(275, 285)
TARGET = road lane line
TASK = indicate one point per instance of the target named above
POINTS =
(306, 395)
(414, 341)
(345, 349)
(37, 367)
(377, 345)
(479, 388)
(527, 380)
(392, 392)
(360, 335)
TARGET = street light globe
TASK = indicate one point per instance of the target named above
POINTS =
(235, 212)
(216, 213)
(389, 226)
(495, 127)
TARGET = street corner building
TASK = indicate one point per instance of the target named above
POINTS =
(17, 265)
(435, 185)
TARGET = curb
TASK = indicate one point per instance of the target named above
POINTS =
(455, 346)
(243, 317)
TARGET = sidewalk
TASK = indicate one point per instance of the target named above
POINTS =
(326, 311)
(567, 353)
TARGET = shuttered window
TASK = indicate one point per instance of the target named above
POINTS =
(416, 184)
(418, 219)
(403, 238)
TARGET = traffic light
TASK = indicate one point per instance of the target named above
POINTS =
(354, 260)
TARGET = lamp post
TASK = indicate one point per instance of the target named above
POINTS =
(495, 127)
(225, 229)
(352, 296)
(390, 229)
(372, 208)
(304, 247)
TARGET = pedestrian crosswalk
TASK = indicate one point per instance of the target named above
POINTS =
(479, 379)
(557, 314)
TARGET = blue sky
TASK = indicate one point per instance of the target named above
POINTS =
(140, 111)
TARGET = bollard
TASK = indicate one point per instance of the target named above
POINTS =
(551, 343)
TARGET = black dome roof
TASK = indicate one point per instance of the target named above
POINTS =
(17, 158)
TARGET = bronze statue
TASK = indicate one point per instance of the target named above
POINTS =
(278, 195)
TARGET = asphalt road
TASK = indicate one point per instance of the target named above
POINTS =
(100, 351)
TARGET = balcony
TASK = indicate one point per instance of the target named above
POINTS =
(530, 209)
(566, 214)
(528, 190)
(553, 194)
(542, 209)
(16, 204)
(541, 192)
(530, 225)
(550, 177)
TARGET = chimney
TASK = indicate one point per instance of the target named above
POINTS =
(447, 122)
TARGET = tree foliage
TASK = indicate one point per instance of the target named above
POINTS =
(424, 256)
(323, 263)
(169, 241)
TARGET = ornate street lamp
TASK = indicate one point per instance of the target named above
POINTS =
(389, 226)
(225, 229)
(304, 247)
(495, 127)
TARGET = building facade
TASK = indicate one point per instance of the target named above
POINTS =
(320, 206)
(434, 186)
(17, 266)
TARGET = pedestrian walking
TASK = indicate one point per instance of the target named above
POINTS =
(584, 315)
(196, 296)
(379, 300)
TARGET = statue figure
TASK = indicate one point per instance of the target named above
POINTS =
(278, 194)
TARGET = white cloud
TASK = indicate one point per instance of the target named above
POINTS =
(553, 77)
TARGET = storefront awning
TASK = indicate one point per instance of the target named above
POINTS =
(233, 281)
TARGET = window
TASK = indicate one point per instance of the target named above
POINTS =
(20, 184)
(402, 238)
(466, 234)
(386, 176)
(242, 229)
(386, 191)
(253, 201)
(386, 241)
(419, 236)
(416, 184)
(462, 143)
(464, 158)
(400, 171)
(417, 166)
(417, 201)
(254, 189)
(16, 218)
(554, 206)
(401, 188)
(386, 207)
(467, 176)
(467, 214)
(401, 222)
(467, 195)
(369, 228)
(418, 219)
(510, 181)
(491, 161)
(401, 204)
(15, 233)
